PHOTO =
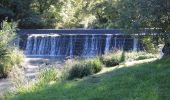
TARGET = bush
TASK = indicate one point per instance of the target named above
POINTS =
(141, 57)
(133, 55)
(113, 58)
(148, 44)
(16, 56)
(85, 68)
(95, 64)
(79, 71)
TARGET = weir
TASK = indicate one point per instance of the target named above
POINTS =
(71, 43)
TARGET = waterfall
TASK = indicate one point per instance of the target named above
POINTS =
(71, 46)
(108, 42)
(41, 46)
(28, 46)
(34, 46)
(135, 44)
(92, 45)
(121, 43)
(58, 50)
(86, 46)
(74, 45)
(53, 46)
(96, 46)
(115, 41)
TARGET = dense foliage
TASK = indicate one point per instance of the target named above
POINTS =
(31, 13)
(125, 14)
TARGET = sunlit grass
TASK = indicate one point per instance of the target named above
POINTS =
(148, 81)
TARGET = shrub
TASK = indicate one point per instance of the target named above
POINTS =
(85, 68)
(133, 55)
(16, 56)
(141, 57)
(79, 70)
(113, 58)
(148, 44)
(95, 64)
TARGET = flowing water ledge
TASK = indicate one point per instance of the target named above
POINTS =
(74, 42)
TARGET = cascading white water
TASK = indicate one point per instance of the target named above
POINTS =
(96, 46)
(53, 46)
(120, 43)
(28, 46)
(108, 42)
(115, 40)
(41, 46)
(72, 45)
(92, 51)
(86, 46)
(34, 46)
(58, 50)
(135, 44)
(90, 46)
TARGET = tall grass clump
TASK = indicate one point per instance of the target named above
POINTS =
(84, 68)
(48, 75)
(17, 76)
(113, 58)
(12, 67)
(16, 56)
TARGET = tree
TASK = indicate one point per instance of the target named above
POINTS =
(137, 15)
(145, 13)
(31, 13)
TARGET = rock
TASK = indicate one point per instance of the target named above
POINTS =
(166, 49)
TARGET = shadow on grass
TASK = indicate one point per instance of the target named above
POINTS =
(149, 81)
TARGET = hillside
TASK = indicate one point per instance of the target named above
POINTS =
(149, 81)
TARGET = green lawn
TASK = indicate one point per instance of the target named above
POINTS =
(149, 81)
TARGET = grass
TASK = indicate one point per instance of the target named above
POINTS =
(149, 81)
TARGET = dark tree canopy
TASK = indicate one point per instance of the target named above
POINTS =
(125, 14)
